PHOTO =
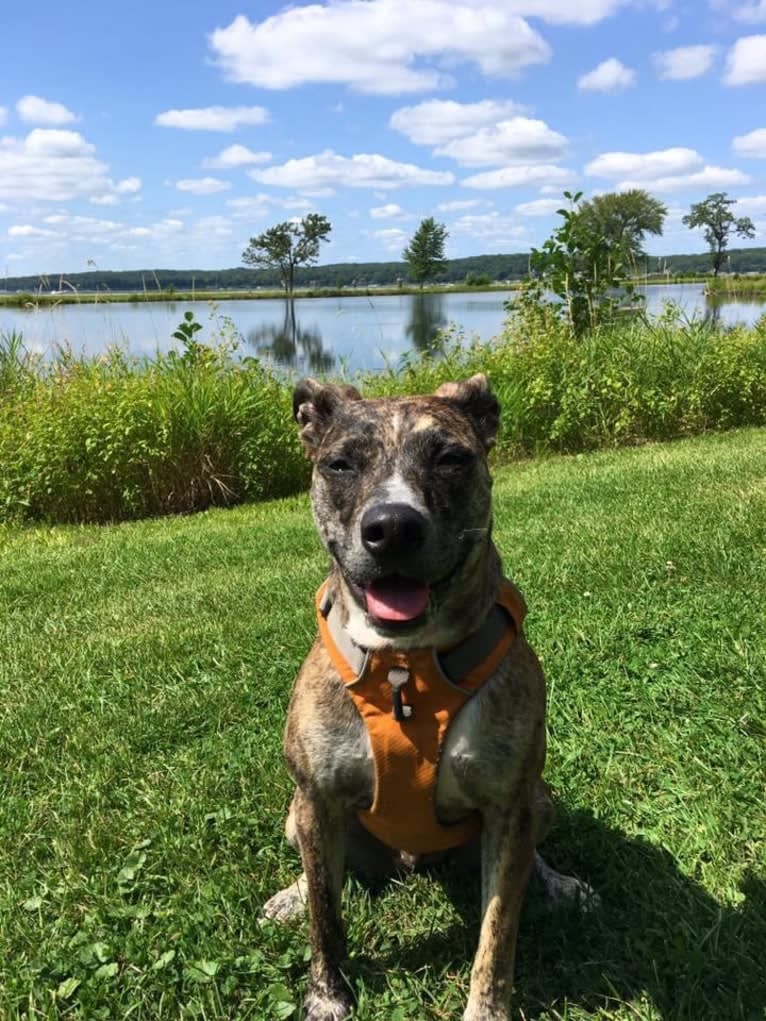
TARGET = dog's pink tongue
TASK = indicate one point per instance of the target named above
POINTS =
(396, 599)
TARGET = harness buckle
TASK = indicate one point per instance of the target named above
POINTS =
(397, 678)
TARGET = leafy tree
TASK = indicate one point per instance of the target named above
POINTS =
(622, 219)
(425, 252)
(715, 216)
(579, 266)
(287, 245)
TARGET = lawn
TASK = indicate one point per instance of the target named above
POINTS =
(145, 670)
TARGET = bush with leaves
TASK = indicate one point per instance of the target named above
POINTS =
(577, 275)
(113, 438)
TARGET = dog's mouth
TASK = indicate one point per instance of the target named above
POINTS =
(396, 599)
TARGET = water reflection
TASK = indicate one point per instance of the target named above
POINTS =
(291, 345)
(426, 318)
(712, 314)
(725, 309)
(363, 333)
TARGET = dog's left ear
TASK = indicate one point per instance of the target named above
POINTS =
(314, 405)
(475, 399)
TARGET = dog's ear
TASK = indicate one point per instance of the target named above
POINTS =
(475, 399)
(314, 405)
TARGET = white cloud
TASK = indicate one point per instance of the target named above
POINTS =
(752, 13)
(56, 165)
(87, 225)
(212, 118)
(493, 229)
(161, 229)
(518, 140)
(377, 46)
(235, 156)
(389, 211)
(327, 170)
(203, 185)
(90, 230)
(392, 238)
(564, 12)
(751, 205)
(170, 240)
(441, 120)
(129, 186)
(538, 207)
(684, 62)
(644, 166)
(459, 204)
(213, 227)
(254, 206)
(752, 145)
(674, 169)
(33, 110)
(517, 177)
(664, 171)
(610, 76)
(26, 230)
(708, 177)
(746, 62)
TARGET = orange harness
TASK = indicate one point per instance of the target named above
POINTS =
(407, 699)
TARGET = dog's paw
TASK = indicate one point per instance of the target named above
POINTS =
(322, 1005)
(288, 905)
(563, 889)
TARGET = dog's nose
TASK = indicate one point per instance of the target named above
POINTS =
(392, 528)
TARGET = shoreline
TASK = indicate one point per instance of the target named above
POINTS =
(31, 300)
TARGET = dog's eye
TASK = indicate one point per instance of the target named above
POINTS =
(340, 466)
(454, 457)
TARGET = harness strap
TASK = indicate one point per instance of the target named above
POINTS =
(454, 663)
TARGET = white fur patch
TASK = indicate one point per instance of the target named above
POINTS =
(396, 490)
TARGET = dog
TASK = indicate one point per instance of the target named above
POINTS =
(416, 727)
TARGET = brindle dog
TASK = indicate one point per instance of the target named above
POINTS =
(401, 496)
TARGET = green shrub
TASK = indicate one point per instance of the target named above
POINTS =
(473, 279)
(114, 438)
(626, 383)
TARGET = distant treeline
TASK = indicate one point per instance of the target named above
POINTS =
(350, 274)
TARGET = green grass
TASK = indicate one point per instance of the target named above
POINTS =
(736, 287)
(145, 673)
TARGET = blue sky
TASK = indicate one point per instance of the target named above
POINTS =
(167, 134)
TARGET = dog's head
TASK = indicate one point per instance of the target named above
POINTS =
(401, 495)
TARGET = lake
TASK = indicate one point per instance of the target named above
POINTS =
(312, 334)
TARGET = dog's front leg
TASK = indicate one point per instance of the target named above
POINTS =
(507, 853)
(320, 829)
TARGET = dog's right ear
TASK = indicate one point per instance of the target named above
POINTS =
(314, 405)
